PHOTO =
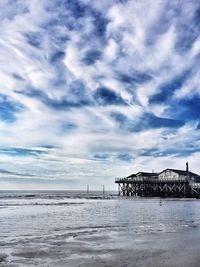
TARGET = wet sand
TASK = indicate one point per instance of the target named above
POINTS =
(180, 249)
(147, 250)
(99, 233)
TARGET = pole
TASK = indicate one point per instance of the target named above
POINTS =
(88, 189)
(103, 189)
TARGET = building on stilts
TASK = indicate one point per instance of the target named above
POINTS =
(167, 183)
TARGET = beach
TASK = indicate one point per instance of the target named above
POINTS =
(169, 249)
(53, 229)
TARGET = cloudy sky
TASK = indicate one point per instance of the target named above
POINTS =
(92, 90)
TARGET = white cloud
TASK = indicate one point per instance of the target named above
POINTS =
(136, 54)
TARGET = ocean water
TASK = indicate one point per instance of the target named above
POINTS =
(63, 228)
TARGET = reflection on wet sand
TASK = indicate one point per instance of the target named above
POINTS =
(79, 231)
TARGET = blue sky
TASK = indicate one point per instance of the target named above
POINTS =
(92, 90)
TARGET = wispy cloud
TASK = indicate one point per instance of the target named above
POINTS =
(97, 88)
(9, 173)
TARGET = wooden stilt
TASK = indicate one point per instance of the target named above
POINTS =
(157, 188)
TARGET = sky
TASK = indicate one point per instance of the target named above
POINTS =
(92, 90)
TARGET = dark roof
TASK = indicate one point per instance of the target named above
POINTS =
(132, 175)
(150, 174)
(182, 172)
(147, 173)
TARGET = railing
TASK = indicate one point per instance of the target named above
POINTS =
(125, 179)
(195, 185)
(149, 180)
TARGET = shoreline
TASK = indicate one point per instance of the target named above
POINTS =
(118, 233)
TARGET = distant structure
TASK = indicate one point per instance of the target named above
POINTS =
(88, 189)
(168, 183)
(103, 189)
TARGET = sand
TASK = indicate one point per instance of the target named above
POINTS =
(180, 249)
(96, 233)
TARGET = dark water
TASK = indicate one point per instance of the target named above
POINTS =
(67, 228)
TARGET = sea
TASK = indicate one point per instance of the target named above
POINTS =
(75, 228)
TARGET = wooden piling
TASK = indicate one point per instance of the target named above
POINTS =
(157, 188)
